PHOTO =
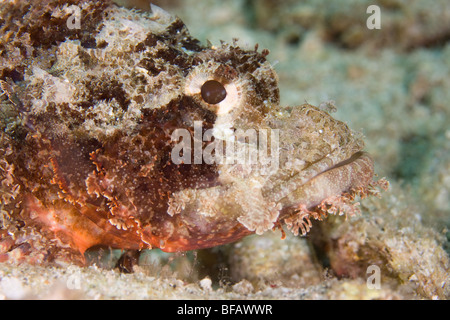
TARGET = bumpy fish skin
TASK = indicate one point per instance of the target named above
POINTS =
(87, 147)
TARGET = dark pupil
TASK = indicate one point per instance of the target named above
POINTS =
(213, 92)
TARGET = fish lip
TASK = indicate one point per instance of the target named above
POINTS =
(354, 157)
(359, 168)
(353, 173)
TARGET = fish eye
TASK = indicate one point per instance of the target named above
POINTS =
(213, 92)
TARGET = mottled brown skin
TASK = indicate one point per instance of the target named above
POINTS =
(75, 174)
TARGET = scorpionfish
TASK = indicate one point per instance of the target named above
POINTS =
(120, 129)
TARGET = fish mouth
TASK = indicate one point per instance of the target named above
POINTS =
(350, 174)
(353, 158)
